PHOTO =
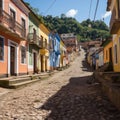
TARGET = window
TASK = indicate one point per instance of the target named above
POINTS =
(115, 54)
(12, 19)
(1, 48)
(12, 14)
(23, 55)
(51, 44)
(23, 32)
(23, 23)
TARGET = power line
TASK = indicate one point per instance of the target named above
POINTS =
(50, 6)
(96, 9)
(90, 8)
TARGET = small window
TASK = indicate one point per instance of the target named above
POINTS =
(23, 55)
(12, 14)
(1, 48)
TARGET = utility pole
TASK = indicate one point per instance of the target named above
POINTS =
(96, 9)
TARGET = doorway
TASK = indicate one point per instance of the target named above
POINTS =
(110, 54)
(12, 60)
(41, 57)
(110, 60)
(46, 64)
(35, 62)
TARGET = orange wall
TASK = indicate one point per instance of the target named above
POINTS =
(7, 4)
(22, 68)
(3, 64)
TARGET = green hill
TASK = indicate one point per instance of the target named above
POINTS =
(86, 30)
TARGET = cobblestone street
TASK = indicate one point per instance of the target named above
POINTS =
(64, 96)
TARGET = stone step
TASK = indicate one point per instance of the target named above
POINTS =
(22, 84)
(14, 77)
(19, 80)
(14, 81)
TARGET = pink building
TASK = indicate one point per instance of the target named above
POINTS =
(13, 37)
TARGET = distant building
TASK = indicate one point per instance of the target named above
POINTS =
(70, 40)
(54, 40)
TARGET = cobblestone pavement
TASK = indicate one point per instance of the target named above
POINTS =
(64, 96)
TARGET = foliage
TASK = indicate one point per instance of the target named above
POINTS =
(35, 11)
(85, 31)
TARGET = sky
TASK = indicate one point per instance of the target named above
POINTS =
(78, 9)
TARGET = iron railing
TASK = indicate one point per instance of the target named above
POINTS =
(34, 39)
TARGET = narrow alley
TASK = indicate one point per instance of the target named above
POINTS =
(64, 96)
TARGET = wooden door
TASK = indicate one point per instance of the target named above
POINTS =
(45, 63)
(12, 60)
(110, 54)
(41, 63)
(35, 62)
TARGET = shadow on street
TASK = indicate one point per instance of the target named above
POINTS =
(80, 101)
(86, 66)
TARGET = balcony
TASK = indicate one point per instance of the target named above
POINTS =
(114, 23)
(34, 39)
(45, 45)
(9, 25)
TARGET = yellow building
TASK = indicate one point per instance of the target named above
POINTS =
(44, 52)
(107, 51)
(114, 6)
(63, 54)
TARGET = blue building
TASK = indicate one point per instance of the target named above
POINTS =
(54, 40)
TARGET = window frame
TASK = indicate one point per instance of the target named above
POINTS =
(13, 12)
(23, 19)
(25, 58)
(2, 60)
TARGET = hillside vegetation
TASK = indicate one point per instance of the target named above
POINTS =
(86, 30)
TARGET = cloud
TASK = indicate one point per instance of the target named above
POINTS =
(107, 14)
(71, 13)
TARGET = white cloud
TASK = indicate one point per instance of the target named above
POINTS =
(107, 14)
(71, 13)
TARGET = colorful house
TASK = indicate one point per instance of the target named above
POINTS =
(114, 6)
(54, 41)
(13, 37)
(34, 44)
(107, 51)
(44, 51)
(63, 57)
